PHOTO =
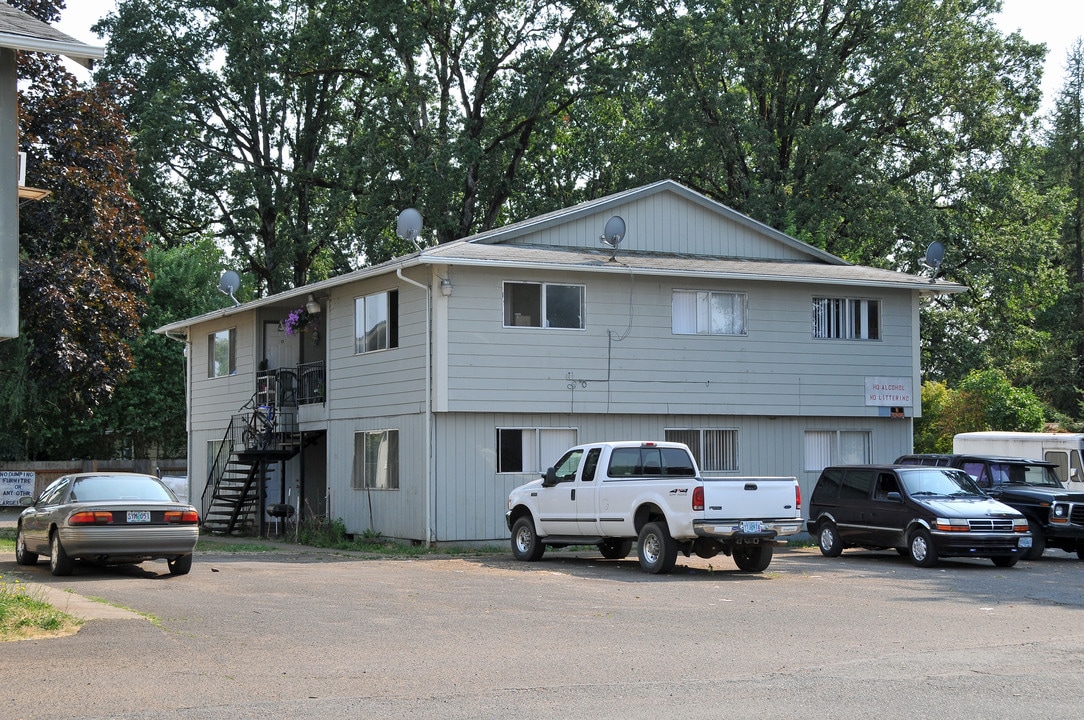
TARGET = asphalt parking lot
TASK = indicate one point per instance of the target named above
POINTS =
(301, 633)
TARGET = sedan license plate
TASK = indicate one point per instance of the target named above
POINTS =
(751, 526)
(1025, 542)
(139, 516)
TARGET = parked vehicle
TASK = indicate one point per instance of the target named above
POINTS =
(611, 494)
(923, 512)
(1055, 514)
(1065, 450)
(107, 518)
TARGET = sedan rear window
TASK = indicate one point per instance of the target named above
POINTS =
(119, 487)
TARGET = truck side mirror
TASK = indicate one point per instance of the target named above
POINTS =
(550, 478)
(894, 496)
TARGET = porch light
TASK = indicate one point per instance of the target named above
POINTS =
(312, 307)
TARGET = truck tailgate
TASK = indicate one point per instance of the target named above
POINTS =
(750, 498)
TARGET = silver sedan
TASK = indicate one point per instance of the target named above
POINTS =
(107, 518)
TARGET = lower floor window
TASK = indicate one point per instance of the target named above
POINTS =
(836, 447)
(522, 450)
(715, 450)
(376, 460)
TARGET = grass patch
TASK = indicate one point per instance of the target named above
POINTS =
(7, 539)
(25, 616)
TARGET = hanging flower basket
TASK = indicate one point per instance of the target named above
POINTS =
(299, 321)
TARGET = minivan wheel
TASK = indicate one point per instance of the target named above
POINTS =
(923, 553)
(828, 540)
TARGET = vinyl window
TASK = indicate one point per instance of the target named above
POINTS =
(846, 319)
(376, 460)
(699, 312)
(544, 305)
(715, 450)
(221, 353)
(836, 447)
(521, 450)
(376, 322)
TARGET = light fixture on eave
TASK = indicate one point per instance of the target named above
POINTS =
(612, 234)
(312, 307)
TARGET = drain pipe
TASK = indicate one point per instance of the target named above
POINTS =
(429, 459)
(187, 406)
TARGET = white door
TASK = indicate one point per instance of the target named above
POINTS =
(280, 350)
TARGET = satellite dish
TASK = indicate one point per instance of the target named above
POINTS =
(409, 225)
(228, 285)
(613, 233)
(935, 255)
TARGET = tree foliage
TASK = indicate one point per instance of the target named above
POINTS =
(82, 273)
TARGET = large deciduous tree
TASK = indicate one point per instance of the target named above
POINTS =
(82, 273)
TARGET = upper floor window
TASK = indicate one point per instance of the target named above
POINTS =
(376, 321)
(699, 312)
(544, 305)
(221, 355)
(846, 318)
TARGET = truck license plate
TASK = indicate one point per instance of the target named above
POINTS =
(751, 526)
(140, 516)
(1025, 542)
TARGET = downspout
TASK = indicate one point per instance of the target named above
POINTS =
(187, 406)
(429, 459)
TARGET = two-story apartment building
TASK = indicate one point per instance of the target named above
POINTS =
(425, 388)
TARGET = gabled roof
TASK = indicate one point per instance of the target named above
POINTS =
(506, 247)
(20, 31)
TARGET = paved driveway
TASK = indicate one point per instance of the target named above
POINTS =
(309, 634)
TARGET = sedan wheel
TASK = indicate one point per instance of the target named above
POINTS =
(22, 555)
(181, 565)
(59, 562)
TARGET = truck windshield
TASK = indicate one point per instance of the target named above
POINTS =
(1021, 474)
(938, 481)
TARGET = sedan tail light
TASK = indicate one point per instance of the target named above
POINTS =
(184, 517)
(91, 517)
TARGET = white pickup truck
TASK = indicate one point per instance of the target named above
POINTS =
(610, 494)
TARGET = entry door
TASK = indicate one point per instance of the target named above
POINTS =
(280, 350)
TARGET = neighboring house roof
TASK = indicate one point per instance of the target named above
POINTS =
(507, 247)
(20, 31)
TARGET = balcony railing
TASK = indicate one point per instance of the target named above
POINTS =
(291, 386)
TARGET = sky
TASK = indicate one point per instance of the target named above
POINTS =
(1058, 23)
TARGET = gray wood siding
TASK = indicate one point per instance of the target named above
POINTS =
(471, 496)
(395, 513)
(384, 382)
(615, 365)
(670, 224)
(214, 400)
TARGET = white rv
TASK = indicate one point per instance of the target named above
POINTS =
(1062, 449)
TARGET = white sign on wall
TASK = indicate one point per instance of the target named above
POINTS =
(888, 392)
(15, 484)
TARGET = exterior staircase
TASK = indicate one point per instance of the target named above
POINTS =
(262, 434)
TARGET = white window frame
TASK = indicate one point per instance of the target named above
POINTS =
(222, 353)
(823, 448)
(709, 312)
(513, 319)
(703, 441)
(369, 311)
(376, 460)
(844, 318)
(539, 447)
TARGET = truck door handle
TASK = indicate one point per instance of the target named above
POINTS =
(573, 493)
(750, 486)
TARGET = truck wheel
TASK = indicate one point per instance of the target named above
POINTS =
(525, 543)
(615, 549)
(1038, 541)
(923, 553)
(1080, 549)
(753, 558)
(656, 549)
(828, 539)
(1004, 561)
